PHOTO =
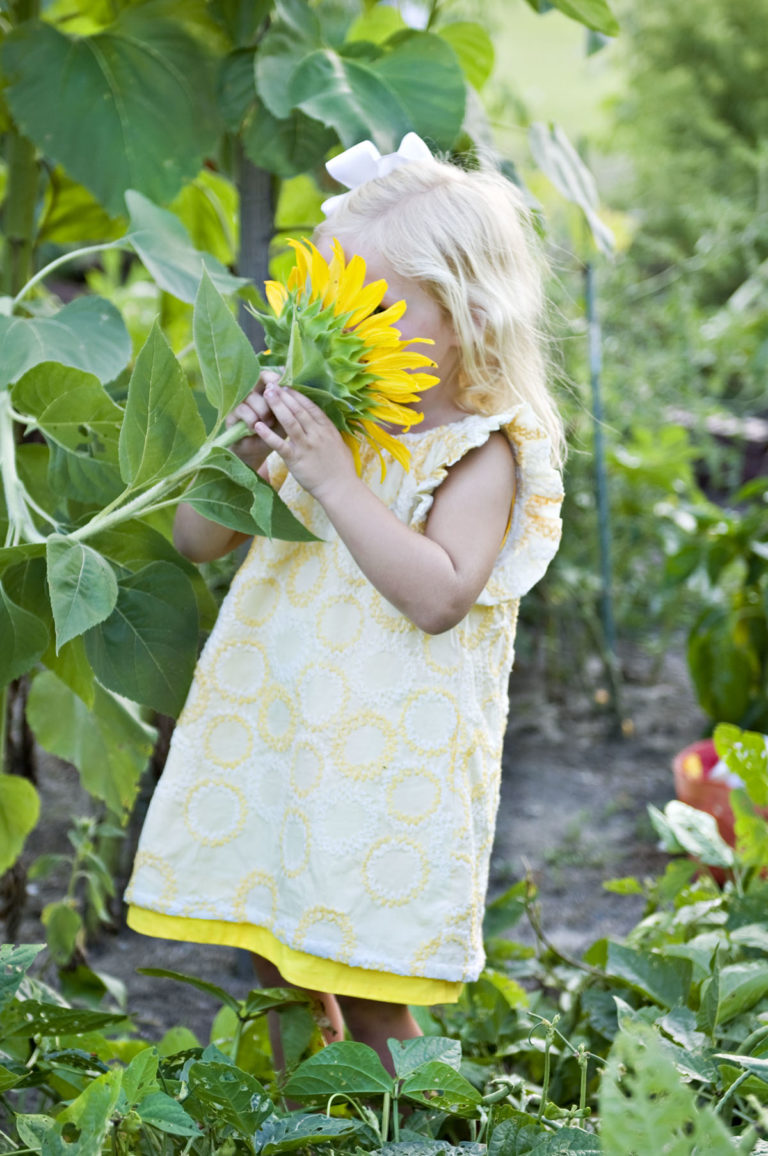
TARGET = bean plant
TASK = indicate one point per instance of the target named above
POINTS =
(656, 1043)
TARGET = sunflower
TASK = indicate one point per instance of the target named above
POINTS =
(342, 351)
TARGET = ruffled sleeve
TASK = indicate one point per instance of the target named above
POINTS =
(535, 527)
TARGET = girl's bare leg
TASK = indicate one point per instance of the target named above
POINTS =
(373, 1022)
(333, 1027)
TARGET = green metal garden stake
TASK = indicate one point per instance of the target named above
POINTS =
(610, 657)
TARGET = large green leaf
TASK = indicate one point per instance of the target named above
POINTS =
(128, 108)
(72, 408)
(299, 1131)
(167, 1115)
(162, 427)
(91, 1112)
(108, 743)
(350, 1068)
(424, 73)
(229, 366)
(292, 35)
(665, 981)
(438, 1084)
(214, 495)
(88, 334)
(27, 585)
(351, 98)
(408, 1055)
(146, 649)
(208, 209)
(227, 499)
(473, 47)
(741, 986)
(82, 586)
(236, 1096)
(71, 215)
(24, 637)
(692, 831)
(34, 1018)
(134, 544)
(286, 146)
(19, 812)
(166, 249)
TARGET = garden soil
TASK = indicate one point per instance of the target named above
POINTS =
(573, 812)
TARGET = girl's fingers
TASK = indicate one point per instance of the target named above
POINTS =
(268, 435)
(285, 405)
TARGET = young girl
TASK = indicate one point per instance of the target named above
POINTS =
(330, 796)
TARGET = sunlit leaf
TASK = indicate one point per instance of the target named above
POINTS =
(107, 742)
(19, 812)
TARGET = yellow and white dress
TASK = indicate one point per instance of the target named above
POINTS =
(330, 795)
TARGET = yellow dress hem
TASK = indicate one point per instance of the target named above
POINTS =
(297, 967)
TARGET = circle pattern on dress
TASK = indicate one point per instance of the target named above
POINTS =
(413, 796)
(340, 623)
(365, 746)
(154, 875)
(430, 720)
(255, 900)
(238, 670)
(256, 601)
(330, 927)
(228, 740)
(215, 811)
(395, 871)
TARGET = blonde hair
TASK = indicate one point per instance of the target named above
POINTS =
(466, 237)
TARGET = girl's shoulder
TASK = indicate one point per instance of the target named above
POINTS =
(535, 527)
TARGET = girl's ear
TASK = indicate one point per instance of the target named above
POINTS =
(479, 318)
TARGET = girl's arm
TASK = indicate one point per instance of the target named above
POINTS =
(199, 538)
(433, 578)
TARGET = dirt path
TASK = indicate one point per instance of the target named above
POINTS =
(573, 809)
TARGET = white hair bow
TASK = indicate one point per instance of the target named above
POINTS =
(363, 162)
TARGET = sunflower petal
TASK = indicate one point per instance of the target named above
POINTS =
(277, 295)
(367, 299)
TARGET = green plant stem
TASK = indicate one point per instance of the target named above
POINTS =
(157, 494)
(755, 1037)
(19, 211)
(20, 524)
(547, 1070)
(396, 1118)
(385, 1110)
(726, 1099)
(63, 260)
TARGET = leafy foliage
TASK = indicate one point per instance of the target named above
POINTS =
(653, 1044)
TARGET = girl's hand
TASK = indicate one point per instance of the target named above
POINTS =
(252, 410)
(306, 440)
